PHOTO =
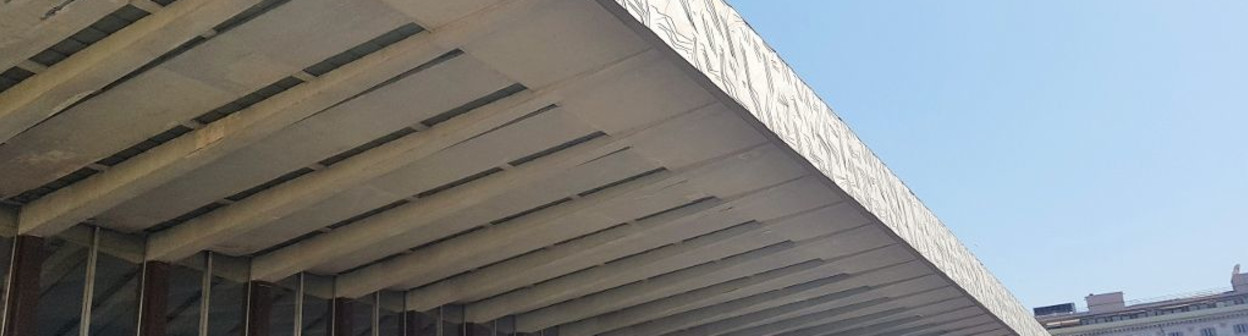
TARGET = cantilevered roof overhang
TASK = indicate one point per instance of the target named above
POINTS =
(640, 167)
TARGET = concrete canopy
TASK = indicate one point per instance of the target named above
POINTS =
(640, 167)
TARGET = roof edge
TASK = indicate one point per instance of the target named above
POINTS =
(717, 42)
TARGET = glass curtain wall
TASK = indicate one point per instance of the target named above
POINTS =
(391, 308)
(61, 281)
(85, 283)
(114, 302)
(282, 318)
(228, 296)
(6, 256)
(186, 295)
(317, 308)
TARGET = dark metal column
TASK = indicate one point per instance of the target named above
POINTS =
(24, 286)
(340, 323)
(154, 299)
(259, 308)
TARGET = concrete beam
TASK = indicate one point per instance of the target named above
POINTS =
(545, 264)
(584, 252)
(29, 27)
(842, 318)
(826, 329)
(537, 266)
(684, 280)
(774, 305)
(73, 79)
(815, 319)
(733, 272)
(1002, 331)
(943, 328)
(640, 292)
(482, 247)
(609, 275)
(427, 211)
(752, 286)
(963, 327)
(776, 294)
(874, 330)
(905, 294)
(928, 322)
(822, 307)
(660, 261)
(830, 305)
(254, 55)
(151, 169)
(979, 330)
(551, 226)
(814, 289)
(100, 192)
(678, 303)
(305, 191)
(901, 324)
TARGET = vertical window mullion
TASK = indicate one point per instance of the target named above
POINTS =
(8, 287)
(88, 288)
(299, 292)
(205, 294)
(376, 318)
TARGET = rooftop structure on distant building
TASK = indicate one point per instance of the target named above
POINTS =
(1220, 312)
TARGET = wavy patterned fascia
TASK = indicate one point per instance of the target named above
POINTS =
(713, 37)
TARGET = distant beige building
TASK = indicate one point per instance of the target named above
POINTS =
(1216, 313)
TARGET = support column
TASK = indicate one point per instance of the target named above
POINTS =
(23, 290)
(259, 308)
(340, 321)
(154, 299)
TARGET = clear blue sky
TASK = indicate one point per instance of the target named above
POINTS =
(1075, 146)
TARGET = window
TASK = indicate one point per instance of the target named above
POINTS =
(1208, 332)
(1241, 329)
